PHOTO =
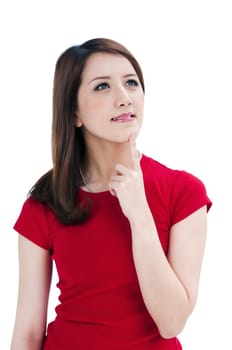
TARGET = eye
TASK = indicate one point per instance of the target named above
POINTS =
(132, 82)
(102, 86)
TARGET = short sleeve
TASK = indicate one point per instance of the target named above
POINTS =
(33, 224)
(188, 195)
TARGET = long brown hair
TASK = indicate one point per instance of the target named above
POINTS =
(58, 187)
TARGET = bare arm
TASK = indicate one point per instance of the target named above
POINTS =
(35, 270)
(169, 285)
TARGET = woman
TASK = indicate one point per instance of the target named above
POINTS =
(127, 234)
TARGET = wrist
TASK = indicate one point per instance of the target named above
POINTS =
(143, 221)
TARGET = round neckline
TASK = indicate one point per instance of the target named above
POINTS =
(102, 194)
(95, 195)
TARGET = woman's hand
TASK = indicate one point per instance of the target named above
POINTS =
(127, 185)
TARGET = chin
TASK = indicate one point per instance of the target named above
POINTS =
(123, 139)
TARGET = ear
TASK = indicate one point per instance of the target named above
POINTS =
(78, 122)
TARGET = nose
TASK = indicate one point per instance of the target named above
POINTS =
(123, 98)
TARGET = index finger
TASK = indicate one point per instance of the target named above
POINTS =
(135, 156)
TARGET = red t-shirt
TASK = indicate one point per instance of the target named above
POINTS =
(101, 306)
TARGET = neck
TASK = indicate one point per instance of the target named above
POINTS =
(100, 164)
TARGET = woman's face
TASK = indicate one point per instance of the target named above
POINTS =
(110, 99)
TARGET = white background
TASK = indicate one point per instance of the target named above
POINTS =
(184, 48)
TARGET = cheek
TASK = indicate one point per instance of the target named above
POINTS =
(140, 101)
(97, 104)
(140, 96)
(91, 106)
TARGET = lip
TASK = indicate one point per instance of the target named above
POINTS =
(124, 117)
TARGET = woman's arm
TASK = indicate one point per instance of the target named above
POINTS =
(35, 272)
(169, 285)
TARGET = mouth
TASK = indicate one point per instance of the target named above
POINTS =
(124, 117)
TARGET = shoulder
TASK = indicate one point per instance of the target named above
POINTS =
(179, 190)
(35, 222)
(33, 208)
(157, 171)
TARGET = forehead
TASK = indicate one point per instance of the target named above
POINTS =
(106, 64)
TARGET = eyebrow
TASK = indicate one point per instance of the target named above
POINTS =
(108, 77)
